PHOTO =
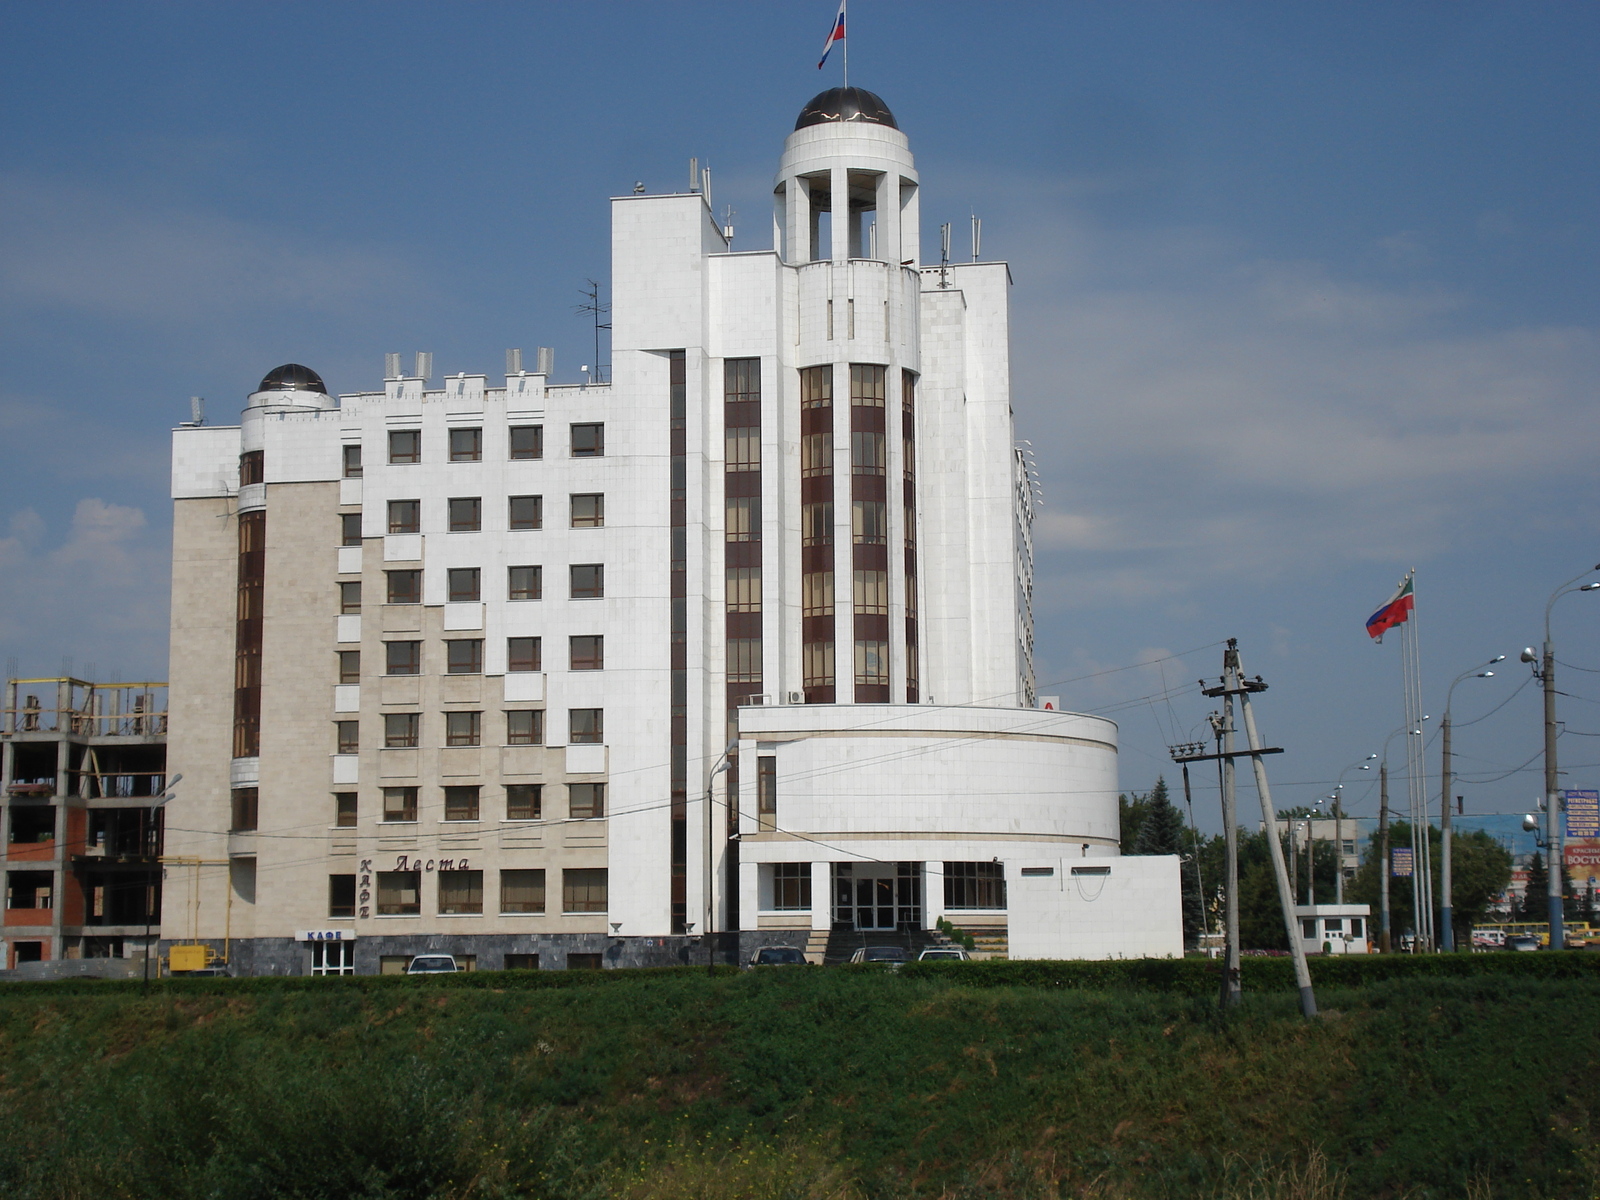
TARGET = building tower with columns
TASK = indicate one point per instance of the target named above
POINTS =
(737, 643)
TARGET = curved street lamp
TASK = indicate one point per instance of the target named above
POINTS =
(1447, 932)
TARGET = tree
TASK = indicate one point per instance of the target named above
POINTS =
(1481, 868)
(1535, 905)
(1131, 809)
(1162, 830)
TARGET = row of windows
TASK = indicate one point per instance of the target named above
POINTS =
(523, 802)
(460, 893)
(464, 656)
(588, 440)
(587, 510)
(585, 581)
(966, 885)
(523, 728)
(871, 663)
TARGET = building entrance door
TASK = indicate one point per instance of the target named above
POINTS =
(877, 896)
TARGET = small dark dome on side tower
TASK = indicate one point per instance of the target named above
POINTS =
(292, 377)
(846, 104)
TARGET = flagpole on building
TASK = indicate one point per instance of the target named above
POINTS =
(843, 5)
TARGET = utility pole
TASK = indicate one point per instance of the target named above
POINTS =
(1552, 794)
(1383, 862)
(1447, 932)
(1232, 987)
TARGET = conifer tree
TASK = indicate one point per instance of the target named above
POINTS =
(1163, 831)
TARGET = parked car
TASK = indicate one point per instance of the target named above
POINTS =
(955, 953)
(892, 957)
(1488, 939)
(432, 964)
(778, 956)
(1522, 941)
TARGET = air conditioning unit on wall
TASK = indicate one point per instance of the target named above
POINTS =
(797, 697)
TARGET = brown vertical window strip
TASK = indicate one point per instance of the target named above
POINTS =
(908, 434)
(252, 467)
(870, 656)
(247, 635)
(817, 552)
(677, 400)
(741, 420)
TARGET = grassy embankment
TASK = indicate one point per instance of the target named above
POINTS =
(830, 1083)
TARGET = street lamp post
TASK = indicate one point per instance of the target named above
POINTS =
(1552, 796)
(1338, 825)
(1385, 940)
(1447, 932)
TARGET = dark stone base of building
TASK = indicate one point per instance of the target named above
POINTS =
(494, 952)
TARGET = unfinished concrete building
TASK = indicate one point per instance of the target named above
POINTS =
(82, 770)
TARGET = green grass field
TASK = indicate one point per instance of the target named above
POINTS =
(801, 1083)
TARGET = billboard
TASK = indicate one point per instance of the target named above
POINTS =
(1581, 852)
(1400, 860)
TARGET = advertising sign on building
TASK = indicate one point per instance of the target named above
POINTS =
(1400, 862)
(1582, 849)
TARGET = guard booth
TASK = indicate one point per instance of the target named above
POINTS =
(1335, 928)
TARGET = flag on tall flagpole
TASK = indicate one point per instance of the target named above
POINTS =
(1395, 611)
(836, 34)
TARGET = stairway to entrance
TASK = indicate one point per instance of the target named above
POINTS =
(842, 943)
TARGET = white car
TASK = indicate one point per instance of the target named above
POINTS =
(953, 953)
(432, 964)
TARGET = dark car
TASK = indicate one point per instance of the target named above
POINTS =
(778, 956)
(892, 957)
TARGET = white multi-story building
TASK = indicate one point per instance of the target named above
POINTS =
(738, 641)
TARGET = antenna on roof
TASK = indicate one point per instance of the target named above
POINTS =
(514, 362)
(424, 365)
(546, 360)
(977, 236)
(391, 366)
(597, 310)
(197, 410)
(705, 184)
(694, 174)
(727, 226)
(944, 255)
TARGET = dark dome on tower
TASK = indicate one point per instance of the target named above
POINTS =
(292, 377)
(846, 104)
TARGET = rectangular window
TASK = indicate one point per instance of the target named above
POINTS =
(744, 660)
(466, 514)
(344, 810)
(333, 958)
(588, 510)
(402, 658)
(350, 529)
(867, 384)
(401, 730)
(349, 736)
(872, 592)
(399, 893)
(405, 516)
(525, 727)
(816, 387)
(405, 587)
(872, 664)
(522, 891)
(816, 523)
(341, 895)
(349, 666)
(527, 441)
(524, 801)
(520, 962)
(791, 886)
(252, 467)
(744, 589)
(816, 594)
(463, 728)
(405, 445)
(464, 585)
(867, 453)
(466, 445)
(587, 652)
(744, 519)
(464, 656)
(869, 522)
(585, 725)
(524, 583)
(588, 581)
(583, 890)
(399, 804)
(816, 455)
(588, 441)
(767, 790)
(246, 809)
(522, 654)
(586, 800)
(350, 598)
(818, 664)
(461, 803)
(744, 448)
(526, 512)
(974, 885)
(352, 462)
(1357, 928)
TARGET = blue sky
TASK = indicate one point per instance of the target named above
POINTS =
(1305, 295)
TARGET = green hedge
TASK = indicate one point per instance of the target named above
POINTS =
(1202, 976)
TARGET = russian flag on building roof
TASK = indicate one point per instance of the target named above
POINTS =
(1395, 611)
(836, 34)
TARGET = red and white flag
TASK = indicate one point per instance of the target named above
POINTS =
(1395, 611)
